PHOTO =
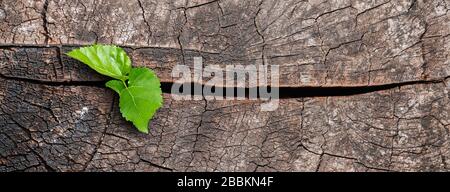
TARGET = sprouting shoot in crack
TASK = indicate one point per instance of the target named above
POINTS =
(139, 89)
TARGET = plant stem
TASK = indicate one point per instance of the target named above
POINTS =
(126, 87)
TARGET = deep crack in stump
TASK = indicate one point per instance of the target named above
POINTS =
(364, 86)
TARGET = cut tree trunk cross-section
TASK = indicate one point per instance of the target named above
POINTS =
(364, 86)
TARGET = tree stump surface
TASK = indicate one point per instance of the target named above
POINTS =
(56, 114)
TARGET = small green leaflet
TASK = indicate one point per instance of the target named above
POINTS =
(107, 60)
(140, 99)
(138, 88)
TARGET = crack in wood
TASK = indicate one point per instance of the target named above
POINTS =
(285, 92)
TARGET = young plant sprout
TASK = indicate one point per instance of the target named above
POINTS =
(138, 88)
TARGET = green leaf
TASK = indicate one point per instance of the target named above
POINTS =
(138, 88)
(107, 60)
(141, 98)
(116, 85)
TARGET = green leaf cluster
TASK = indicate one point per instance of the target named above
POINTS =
(138, 88)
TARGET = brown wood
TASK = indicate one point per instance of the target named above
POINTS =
(56, 115)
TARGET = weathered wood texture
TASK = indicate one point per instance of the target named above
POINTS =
(55, 116)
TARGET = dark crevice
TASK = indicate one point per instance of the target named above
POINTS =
(179, 38)
(60, 61)
(55, 83)
(198, 5)
(104, 132)
(56, 46)
(43, 161)
(284, 92)
(145, 21)
(13, 46)
(301, 92)
(156, 165)
(45, 22)
(259, 32)
(413, 5)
